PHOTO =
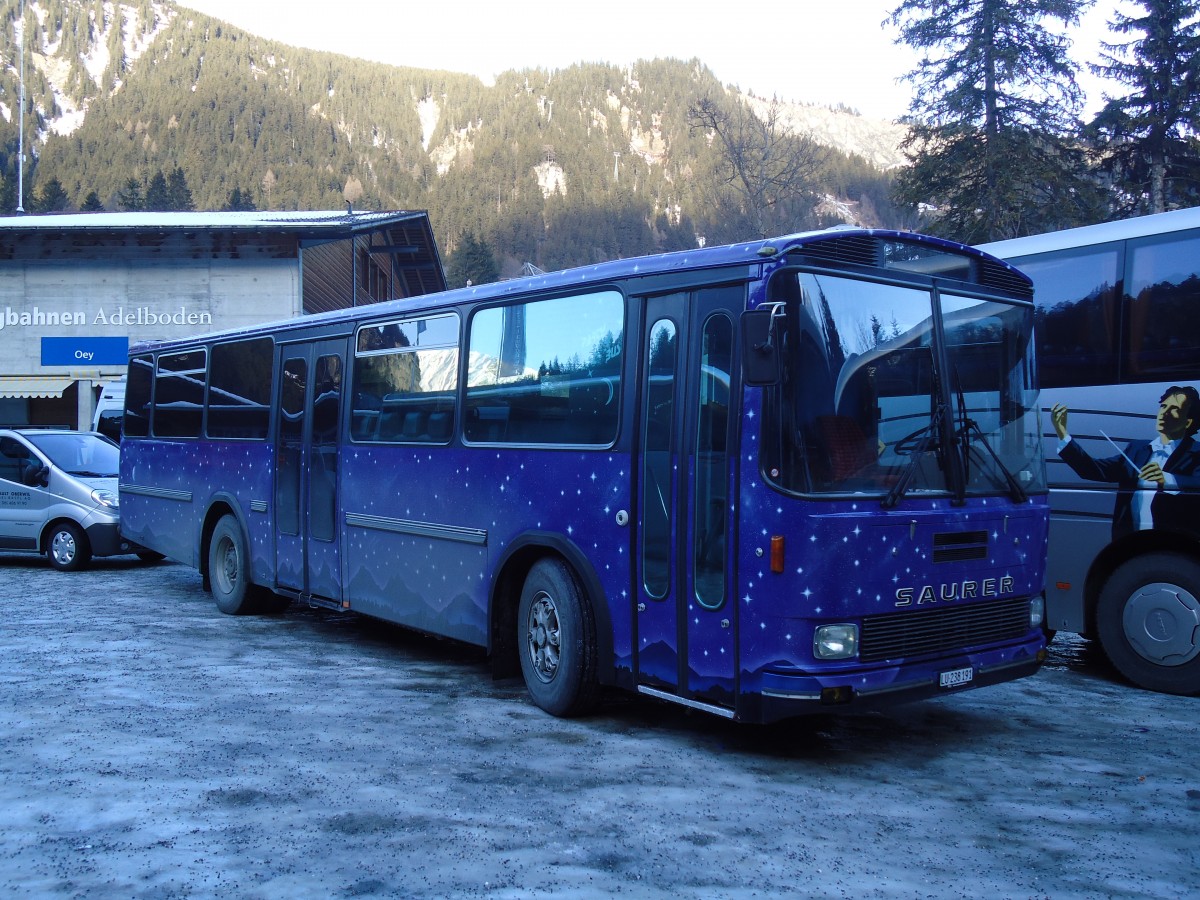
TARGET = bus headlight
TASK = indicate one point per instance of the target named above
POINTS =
(107, 499)
(1037, 611)
(836, 641)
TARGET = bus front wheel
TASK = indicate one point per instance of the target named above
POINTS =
(1148, 622)
(229, 574)
(557, 641)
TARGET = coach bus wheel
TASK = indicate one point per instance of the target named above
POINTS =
(68, 548)
(1148, 622)
(557, 641)
(229, 571)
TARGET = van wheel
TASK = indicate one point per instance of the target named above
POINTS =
(557, 641)
(229, 572)
(1148, 622)
(68, 548)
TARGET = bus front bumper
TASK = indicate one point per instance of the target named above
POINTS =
(786, 694)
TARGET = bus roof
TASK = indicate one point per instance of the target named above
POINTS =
(839, 245)
(1088, 235)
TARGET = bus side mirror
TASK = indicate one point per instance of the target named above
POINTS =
(760, 348)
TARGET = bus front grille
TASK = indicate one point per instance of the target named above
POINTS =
(909, 634)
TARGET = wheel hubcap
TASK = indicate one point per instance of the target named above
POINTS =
(1162, 623)
(63, 548)
(227, 565)
(543, 637)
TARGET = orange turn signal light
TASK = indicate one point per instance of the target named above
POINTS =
(777, 554)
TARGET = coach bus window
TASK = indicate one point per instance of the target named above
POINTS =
(179, 394)
(405, 379)
(138, 382)
(657, 427)
(547, 372)
(291, 436)
(1164, 294)
(1077, 316)
(711, 460)
(239, 389)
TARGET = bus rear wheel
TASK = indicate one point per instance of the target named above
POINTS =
(557, 641)
(229, 574)
(1148, 622)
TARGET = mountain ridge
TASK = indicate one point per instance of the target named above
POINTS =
(122, 91)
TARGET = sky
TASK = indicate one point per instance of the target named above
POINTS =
(831, 53)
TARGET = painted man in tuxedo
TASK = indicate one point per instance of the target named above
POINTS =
(1158, 480)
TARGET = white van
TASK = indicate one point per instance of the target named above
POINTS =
(58, 496)
(109, 410)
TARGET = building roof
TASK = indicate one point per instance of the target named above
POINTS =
(405, 235)
(333, 222)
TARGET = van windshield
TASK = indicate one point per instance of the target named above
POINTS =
(80, 454)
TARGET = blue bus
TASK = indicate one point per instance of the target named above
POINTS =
(759, 480)
(1118, 333)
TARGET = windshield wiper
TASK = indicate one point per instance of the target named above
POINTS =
(927, 436)
(966, 425)
(1014, 487)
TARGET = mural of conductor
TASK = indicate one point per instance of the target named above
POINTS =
(1155, 478)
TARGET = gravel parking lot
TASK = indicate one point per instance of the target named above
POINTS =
(153, 747)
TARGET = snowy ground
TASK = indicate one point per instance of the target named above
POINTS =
(152, 747)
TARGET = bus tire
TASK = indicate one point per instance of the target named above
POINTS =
(68, 549)
(229, 571)
(1148, 622)
(556, 637)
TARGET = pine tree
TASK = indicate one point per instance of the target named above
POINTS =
(51, 198)
(239, 202)
(178, 193)
(91, 203)
(472, 263)
(158, 199)
(1148, 137)
(991, 124)
(129, 198)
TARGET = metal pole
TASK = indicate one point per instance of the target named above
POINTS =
(21, 115)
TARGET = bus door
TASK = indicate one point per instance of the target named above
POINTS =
(307, 537)
(686, 634)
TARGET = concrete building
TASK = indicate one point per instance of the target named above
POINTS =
(76, 290)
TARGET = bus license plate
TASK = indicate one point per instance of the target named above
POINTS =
(956, 677)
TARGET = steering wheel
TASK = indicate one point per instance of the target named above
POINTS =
(908, 444)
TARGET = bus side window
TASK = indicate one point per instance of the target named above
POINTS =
(406, 381)
(546, 372)
(1164, 299)
(138, 384)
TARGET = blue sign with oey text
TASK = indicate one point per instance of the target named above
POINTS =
(85, 351)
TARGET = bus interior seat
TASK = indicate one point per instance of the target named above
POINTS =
(412, 426)
(847, 448)
(440, 425)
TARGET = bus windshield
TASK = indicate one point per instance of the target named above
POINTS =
(865, 406)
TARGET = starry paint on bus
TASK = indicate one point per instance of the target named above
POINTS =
(182, 472)
(441, 584)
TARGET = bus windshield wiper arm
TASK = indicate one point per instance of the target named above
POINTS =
(928, 436)
(1014, 487)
